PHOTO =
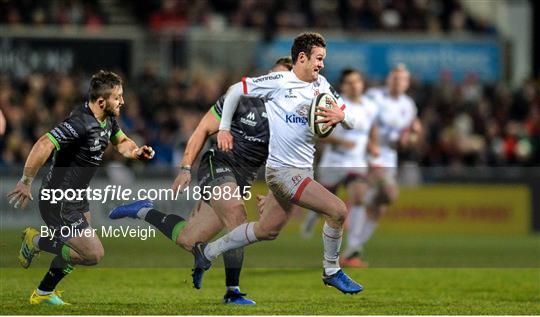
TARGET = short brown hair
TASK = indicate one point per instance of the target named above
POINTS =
(285, 61)
(347, 72)
(102, 83)
(305, 42)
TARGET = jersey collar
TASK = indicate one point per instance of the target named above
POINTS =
(89, 111)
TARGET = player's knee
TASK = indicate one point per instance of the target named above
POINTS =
(388, 195)
(339, 211)
(266, 233)
(235, 219)
(94, 256)
(375, 213)
(271, 235)
(392, 195)
(185, 242)
(235, 215)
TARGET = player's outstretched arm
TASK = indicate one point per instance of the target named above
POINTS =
(129, 149)
(341, 142)
(232, 98)
(411, 137)
(39, 154)
(373, 141)
(208, 126)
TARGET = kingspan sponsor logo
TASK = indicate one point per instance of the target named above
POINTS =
(296, 119)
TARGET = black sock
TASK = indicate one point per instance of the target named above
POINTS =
(170, 225)
(54, 246)
(58, 270)
(233, 260)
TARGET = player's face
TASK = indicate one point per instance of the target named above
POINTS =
(398, 82)
(114, 102)
(313, 64)
(353, 86)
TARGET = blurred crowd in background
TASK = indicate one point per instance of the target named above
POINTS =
(466, 123)
(268, 16)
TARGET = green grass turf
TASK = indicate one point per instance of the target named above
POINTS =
(424, 274)
(290, 251)
(289, 291)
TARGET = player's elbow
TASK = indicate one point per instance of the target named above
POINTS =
(44, 144)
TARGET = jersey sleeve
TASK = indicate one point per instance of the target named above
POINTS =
(350, 120)
(70, 131)
(116, 131)
(373, 95)
(414, 109)
(263, 86)
(339, 100)
(217, 108)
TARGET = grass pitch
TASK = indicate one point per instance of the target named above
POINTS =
(283, 291)
(409, 275)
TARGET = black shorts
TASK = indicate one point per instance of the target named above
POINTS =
(217, 168)
(64, 214)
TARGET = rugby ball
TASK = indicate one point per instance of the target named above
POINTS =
(322, 100)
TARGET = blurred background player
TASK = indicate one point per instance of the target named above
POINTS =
(234, 169)
(344, 160)
(78, 144)
(396, 127)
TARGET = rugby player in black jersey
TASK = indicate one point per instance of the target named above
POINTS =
(232, 171)
(78, 144)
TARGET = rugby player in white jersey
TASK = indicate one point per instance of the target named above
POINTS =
(234, 171)
(344, 160)
(396, 127)
(289, 168)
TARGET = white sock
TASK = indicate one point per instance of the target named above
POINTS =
(233, 288)
(35, 241)
(42, 293)
(357, 219)
(367, 231)
(238, 237)
(141, 214)
(331, 243)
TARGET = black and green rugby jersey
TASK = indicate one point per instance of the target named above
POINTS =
(249, 128)
(80, 141)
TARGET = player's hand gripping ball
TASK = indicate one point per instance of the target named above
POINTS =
(323, 116)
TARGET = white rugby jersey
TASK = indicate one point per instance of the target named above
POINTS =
(292, 144)
(395, 116)
(334, 155)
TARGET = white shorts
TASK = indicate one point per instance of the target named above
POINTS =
(288, 183)
(387, 175)
(331, 177)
